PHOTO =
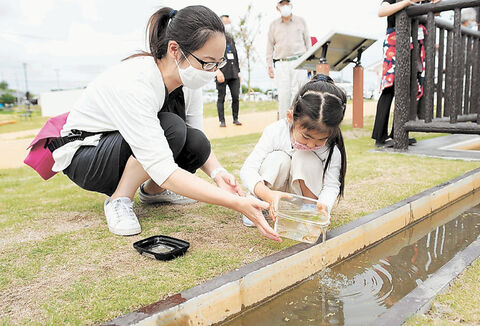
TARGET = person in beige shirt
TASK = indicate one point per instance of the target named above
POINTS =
(288, 39)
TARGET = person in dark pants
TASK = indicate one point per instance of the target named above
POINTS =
(229, 75)
(380, 129)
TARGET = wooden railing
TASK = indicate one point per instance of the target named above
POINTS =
(451, 97)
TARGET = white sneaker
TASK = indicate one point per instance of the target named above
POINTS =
(165, 196)
(121, 219)
(247, 222)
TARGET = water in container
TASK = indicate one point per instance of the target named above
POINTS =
(299, 219)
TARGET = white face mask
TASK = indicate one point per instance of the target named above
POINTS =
(286, 10)
(194, 78)
(228, 28)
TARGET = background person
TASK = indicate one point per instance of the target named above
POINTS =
(228, 75)
(288, 39)
(127, 130)
(388, 8)
(469, 18)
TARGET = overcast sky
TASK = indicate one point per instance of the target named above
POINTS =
(75, 40)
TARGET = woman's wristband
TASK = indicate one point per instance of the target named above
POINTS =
(214, 173)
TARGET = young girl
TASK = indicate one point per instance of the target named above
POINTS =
(304, 153)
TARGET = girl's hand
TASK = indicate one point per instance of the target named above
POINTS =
(322, 208)
(252, 207)
(227, 181)
(273, 197)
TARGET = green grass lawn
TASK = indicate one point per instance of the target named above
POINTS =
(210, 109)
(59, 264)
(22, 122)
(37, 121)
(458, 305)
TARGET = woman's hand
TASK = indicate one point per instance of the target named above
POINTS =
(323, 210)
(252, 207)
(220, 77)
(227, 181)
(273, 197)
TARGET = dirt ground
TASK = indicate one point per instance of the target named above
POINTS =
(16, 143)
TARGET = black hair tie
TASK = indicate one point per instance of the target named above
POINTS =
(172, 13)
(323, 78)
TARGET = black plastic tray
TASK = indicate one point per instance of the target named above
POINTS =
(161, 247)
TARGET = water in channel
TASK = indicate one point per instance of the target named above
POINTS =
(358, 290)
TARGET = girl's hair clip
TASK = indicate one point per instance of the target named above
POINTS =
(172, 13)
(322, 77)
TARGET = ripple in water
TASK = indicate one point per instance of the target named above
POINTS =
(361, 288)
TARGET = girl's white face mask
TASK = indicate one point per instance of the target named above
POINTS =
(286, 10)
(194, 78)
(228, 28)
(303, 147)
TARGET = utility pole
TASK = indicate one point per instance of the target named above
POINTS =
(26, 79)
(17, 85)
(28, 112)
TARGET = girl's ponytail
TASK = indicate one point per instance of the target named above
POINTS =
(337, 140)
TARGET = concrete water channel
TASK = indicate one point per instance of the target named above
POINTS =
(378, 269)
(360, 289)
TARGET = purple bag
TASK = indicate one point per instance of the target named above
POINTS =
(40, 158)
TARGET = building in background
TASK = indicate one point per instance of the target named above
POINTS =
(57, 102)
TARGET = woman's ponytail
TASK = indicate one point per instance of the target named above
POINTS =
(191, 27)
(157, 31)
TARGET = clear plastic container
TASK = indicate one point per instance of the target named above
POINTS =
(299, 219)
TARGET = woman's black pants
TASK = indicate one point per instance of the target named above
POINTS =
(99, 168)
(380, 128)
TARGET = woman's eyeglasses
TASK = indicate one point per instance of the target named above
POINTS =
(207, 65)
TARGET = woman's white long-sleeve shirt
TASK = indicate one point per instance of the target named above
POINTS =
(276, 137)
(127, 98)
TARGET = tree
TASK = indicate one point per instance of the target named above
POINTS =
(3, 85)
(253, 89)
(248, 29)
(7, 99)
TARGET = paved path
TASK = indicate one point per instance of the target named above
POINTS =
(13, 146)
